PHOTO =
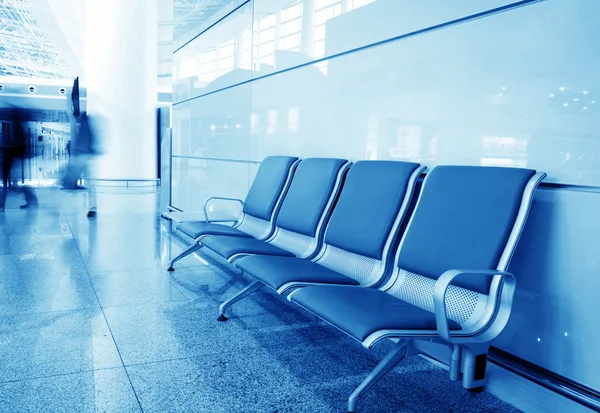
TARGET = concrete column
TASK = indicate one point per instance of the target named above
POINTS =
(121, 81)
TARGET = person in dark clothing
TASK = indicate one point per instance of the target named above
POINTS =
(14, 151)
(7, 161)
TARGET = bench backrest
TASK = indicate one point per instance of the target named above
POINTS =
(266, 194)
(366, 218)
(307, 204)
(467, 217)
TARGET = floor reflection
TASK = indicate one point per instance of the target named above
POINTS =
(91, 321)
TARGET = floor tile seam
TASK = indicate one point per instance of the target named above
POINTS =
(162, 271)
(184, 292)
(68, 310)
(110, 331)
(254, 349)
(151, 224)
(40, 275)
(182, 285)
(119, 353)
(214, 303)
(142, 221)
(155, 304)
(181, 290)
(141, 304)
(44, 251)
(91, 270)
(87, 270)
(50, 376)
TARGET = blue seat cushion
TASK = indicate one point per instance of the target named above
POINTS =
(312, 186)
(360, 312)
(196, 228)
(277, 271)
(227, 246)
(464, 218)
(267, 186)
(368, 206)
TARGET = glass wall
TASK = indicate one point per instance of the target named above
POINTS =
(490, 82)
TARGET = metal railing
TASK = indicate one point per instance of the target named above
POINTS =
(123, 182)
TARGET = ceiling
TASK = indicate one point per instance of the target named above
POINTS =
(41, 38)
(44, 39)
(189, 15)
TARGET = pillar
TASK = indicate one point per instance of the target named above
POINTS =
(121, 81)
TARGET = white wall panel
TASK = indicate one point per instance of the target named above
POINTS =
(554, 321)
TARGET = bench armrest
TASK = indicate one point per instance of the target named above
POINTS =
(219, 198)
(441, 288)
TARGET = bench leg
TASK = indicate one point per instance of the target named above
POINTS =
(390, 360)
(255, 286)
(194, 247)
(455, 362)
(474, 366)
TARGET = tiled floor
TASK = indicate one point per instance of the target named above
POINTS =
(90, 321)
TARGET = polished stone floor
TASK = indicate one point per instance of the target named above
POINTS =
(90, 321)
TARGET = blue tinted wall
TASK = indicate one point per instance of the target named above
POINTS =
(489, 82)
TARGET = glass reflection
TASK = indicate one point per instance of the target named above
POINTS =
(251, 39)
(415, 99)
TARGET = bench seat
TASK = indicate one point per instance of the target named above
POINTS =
(360, 312)
(227, 246)
(279, 271)
(194, 229)
(259, 210)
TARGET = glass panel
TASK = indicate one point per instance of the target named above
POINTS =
(191, 18)
(219, 58)
(214, 126)
(329, 27)
(195, 180)
(513, 89)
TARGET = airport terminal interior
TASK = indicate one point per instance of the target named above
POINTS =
(300, 206)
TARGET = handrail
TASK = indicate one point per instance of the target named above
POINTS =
(568, 388)
(151, 182)
(123, 180)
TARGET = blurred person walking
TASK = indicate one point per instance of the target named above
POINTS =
(83, 149)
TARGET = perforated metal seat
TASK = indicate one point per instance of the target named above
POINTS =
(194, 229)
(276, 272)
(357, 239)
(298, 225)
(259, 209)
(229, 246)
(449, 284)
(360, 312)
